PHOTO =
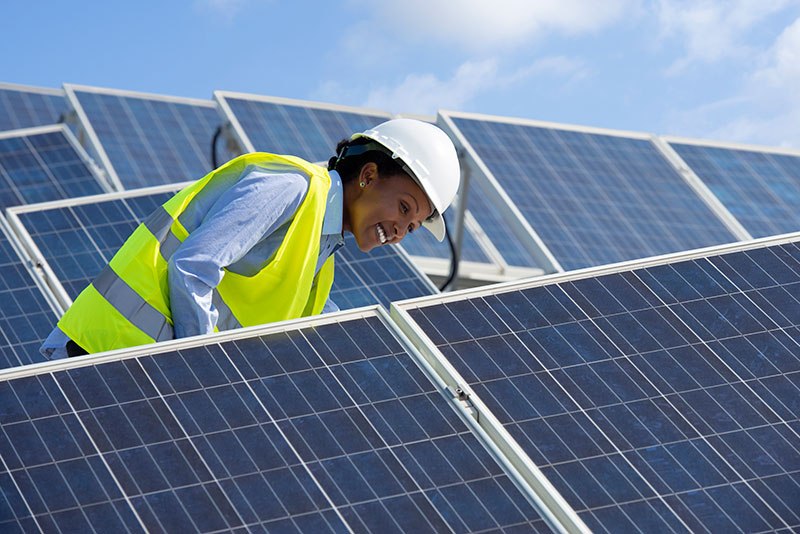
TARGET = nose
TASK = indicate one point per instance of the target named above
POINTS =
(400, 231)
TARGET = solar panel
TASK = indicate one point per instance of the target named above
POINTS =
(23, 106)
(146, 140)
(26, 307)
(42, 164)
(657, 396)
(760, 187)
(315, 426)
(77, 239)
(309, 130)
(587, 197)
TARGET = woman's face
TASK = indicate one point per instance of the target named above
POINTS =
(385, 209)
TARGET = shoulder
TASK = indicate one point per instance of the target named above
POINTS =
(285, 184)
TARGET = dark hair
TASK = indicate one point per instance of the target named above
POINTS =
(348, 166)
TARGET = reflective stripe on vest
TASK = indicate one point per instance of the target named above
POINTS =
(128, 304)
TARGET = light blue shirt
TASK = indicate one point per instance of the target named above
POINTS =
(238, 227)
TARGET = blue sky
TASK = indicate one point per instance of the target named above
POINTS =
(716, 69)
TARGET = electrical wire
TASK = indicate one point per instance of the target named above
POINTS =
(453, 260)
(214, 147)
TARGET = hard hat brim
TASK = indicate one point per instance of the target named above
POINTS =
(436, 227)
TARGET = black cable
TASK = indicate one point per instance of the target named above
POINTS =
(214, 147)
(453, 260)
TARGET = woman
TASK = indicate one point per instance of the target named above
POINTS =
(253, 241)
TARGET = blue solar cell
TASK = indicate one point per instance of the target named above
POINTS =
(150, 141)
(657, 399)
(78, 241)
(305, 130)
(25, 107)
(760, 189)
(198, 440)
(593, 199)
(41, 165)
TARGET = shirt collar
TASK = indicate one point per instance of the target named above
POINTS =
(332, 221)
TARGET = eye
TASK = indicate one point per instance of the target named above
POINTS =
(404, 207)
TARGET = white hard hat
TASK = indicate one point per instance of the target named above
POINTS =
(430, 157)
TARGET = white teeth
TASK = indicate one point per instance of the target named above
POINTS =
(381, 234)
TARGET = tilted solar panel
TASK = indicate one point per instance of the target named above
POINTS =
(309, 130)
(661, 397)
(27, 313)
(588, 197)
(42, 164)
(25, 107)
(760, 187)
(318, 426)
(147, 140)
(78, 238)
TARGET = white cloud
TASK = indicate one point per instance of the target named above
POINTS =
(766, 110)
(712, 29)
(226, 9)
(425, 93)
(481, 24)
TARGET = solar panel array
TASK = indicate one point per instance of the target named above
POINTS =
(328, 428)
(42, 164)
(26, 107)
(657, 399)
(761, 188)
(77, 239)
(147, 140)
(592, 198)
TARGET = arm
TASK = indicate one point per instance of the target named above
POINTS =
(243, 215)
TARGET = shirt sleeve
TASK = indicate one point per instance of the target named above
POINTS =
(249, 210)
(330, 307)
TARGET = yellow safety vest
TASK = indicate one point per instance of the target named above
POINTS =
(128, 303)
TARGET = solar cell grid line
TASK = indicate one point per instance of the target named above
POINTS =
(322, 425)
(75, 239)
(27, 307)
(44, 163)
(309, 130)
(23, 106)
(760, 186)
(656, 395)
(144, 139)
(592, 196)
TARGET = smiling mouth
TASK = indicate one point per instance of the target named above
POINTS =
(381, 233)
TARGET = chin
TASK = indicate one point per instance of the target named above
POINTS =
(365, 245)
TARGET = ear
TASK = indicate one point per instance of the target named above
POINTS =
(369, 172)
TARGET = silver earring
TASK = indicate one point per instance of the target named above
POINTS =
(362, 184)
